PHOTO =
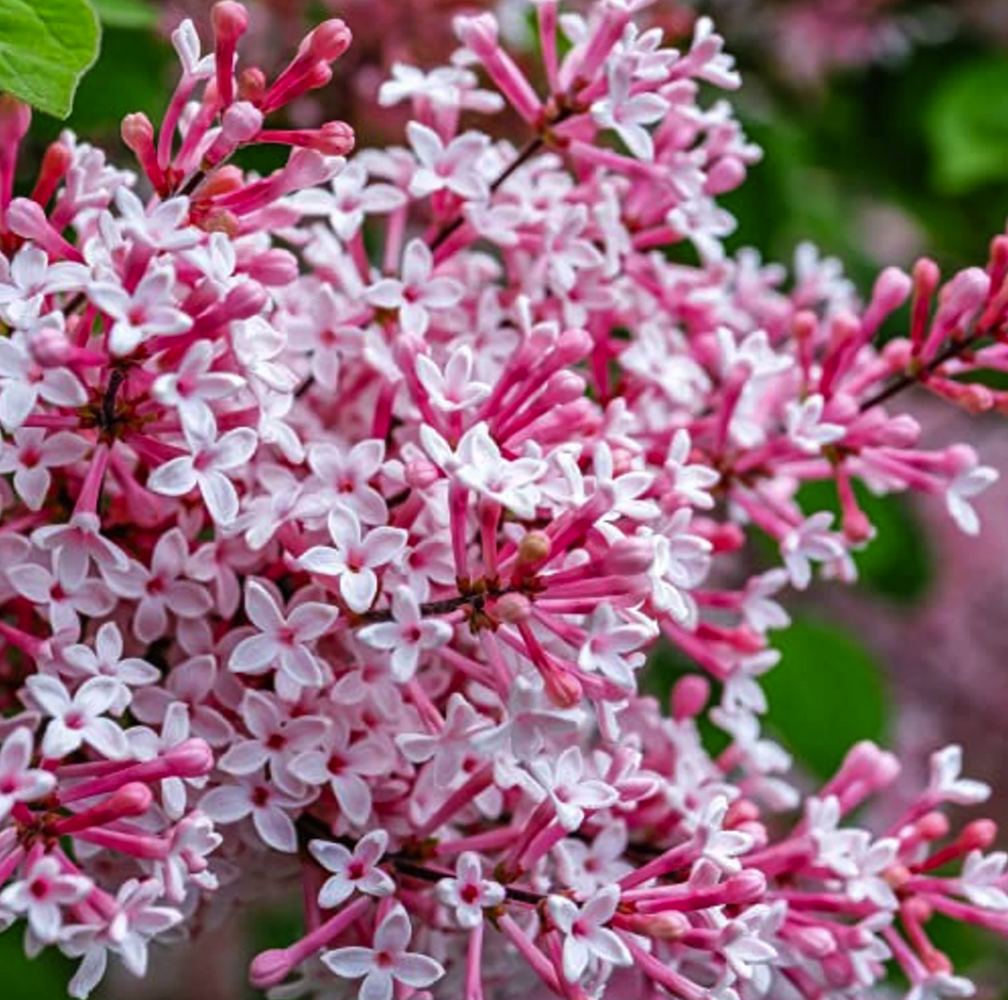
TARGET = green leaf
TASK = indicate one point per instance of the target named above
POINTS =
(42, 978)
(825, 695)
(126, 13)
(46, 46)
(967, 126)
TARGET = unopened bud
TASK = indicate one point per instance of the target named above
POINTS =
(241, 122)
(629, 556)
(513, 608)
(192, 758)
(229, 20)
(270, 968)
(330, 40)
(563, 689)
(534, 548)
(690, 695)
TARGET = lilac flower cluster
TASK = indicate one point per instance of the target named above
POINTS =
(343, 505)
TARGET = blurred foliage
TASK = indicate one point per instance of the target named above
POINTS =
(126, 13)
(45, 47)
(825, 695)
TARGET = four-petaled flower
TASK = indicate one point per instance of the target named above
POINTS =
(585, 932)
(388, 962)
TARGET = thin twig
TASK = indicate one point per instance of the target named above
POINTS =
(906, 380)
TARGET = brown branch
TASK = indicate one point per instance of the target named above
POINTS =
(907, 379)
(311, 828)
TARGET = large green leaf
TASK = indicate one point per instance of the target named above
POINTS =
(967, 126)
(825, 695)
(46, 46)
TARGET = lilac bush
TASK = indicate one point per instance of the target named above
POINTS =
(344, 505)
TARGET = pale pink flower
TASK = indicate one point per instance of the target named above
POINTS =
(388, 962)
(586, 935)
(282, 643)
(352, 871)
(205, 467)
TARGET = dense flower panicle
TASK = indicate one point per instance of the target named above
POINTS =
(343, 506)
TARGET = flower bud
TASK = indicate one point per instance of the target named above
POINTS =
(629, 556)
(689, 696)
(191, 759)
(330, 40)
(269, 968)
(534, 548)
(563, 689)
(512, 608)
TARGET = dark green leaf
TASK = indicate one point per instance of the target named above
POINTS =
(825, 694)
(126, 13)
(46, 46)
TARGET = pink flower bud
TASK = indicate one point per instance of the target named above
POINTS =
(330, 40)
(251, 84)
(727, 174)
(269, 968)
(15, 118)
(191, 759)
(668, 926)
(245, 301)
(27, 219)
(513, 608)
(979, 835)
(690, 695)
(815, 942)
(934, 826)
(335, 139)
(629, 556)
(137, 132)
(746, 887)
(563, 689)
(421, 474)
(229, 20)
(241, 122)
(273, 268)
